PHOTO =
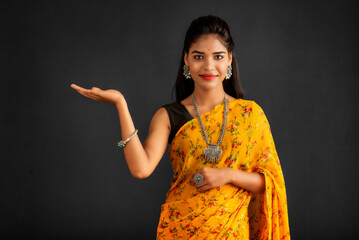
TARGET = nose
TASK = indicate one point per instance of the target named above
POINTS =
(209, 64)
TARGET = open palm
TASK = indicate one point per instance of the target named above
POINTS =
(108, 96)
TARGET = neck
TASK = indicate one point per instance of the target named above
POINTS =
(209, 98)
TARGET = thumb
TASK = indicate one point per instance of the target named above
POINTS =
(95, 88)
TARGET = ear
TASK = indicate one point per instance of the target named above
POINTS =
(185, 58)
(229, 59)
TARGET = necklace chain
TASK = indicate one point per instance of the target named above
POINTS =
(212, 153)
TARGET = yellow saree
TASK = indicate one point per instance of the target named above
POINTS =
(226, 212)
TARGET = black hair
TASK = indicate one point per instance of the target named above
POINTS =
(202, 26)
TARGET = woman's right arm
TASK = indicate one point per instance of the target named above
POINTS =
(141, 159)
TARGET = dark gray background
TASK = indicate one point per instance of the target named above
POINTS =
(62, 174)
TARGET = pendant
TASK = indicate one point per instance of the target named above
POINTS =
(212, 153)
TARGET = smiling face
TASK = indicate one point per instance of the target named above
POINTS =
(208, 61)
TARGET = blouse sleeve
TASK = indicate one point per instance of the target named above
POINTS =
(268, 212)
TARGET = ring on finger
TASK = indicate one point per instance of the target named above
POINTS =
(198, 179)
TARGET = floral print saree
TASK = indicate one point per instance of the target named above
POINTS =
(228, 211)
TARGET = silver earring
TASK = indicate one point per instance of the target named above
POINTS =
(229, 72)
(186, 72)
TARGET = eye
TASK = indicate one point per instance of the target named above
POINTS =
(218, 57)
(198, 57)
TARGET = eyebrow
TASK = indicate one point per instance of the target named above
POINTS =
(203, 52)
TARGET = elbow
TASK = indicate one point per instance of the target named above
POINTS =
(141, 175)
(259, 190)
(262, 185)
(259, 185)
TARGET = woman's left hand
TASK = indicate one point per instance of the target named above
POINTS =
(212, 178)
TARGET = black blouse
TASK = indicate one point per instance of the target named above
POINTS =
(178, 115)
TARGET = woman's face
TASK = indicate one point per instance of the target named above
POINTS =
(208, 61)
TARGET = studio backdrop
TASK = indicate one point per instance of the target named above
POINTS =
(62, 174)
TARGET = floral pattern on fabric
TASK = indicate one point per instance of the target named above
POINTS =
(228, 211)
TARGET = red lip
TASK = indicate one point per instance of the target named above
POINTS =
(208, 76)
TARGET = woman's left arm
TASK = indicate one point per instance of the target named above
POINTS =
(251, 181)
(215, 177)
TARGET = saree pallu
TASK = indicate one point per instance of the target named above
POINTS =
(228, 211)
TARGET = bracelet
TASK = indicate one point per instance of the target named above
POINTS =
(123, 143)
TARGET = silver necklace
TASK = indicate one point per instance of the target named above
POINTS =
(212, 153)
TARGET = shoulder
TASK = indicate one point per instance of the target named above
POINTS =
(169, 105)
(161, 117)
(249, 107)
(163, 111)
(246, 104)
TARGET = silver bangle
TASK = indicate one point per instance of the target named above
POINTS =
(123, 143)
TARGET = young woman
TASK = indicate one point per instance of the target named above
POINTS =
(228, 182)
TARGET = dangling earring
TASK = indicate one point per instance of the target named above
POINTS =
(186, 72)
(229, 72)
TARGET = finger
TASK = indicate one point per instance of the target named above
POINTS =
(98, 92)
(192, 181)
(86, 94)
(198, 172)
(201, 185)
(203, 188)
(96, 89)
(82, 90)
(86, 91)
(204, 178)
(92, 94)
(74, 86)
(94, 98)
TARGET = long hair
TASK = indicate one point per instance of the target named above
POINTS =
(201, 26)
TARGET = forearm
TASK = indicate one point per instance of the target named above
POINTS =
(135, 154)
(251, 181)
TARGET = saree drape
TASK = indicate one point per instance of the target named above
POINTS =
(228, 211)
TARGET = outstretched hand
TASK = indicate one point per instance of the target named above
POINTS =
(108, 96)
